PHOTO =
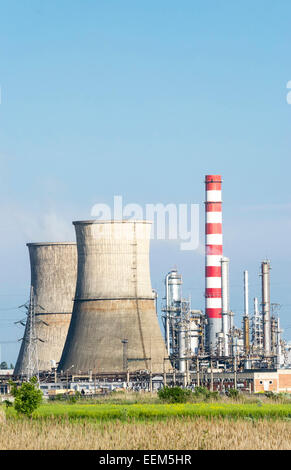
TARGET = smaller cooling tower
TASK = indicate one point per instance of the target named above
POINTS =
(114, 323)
(53, 278)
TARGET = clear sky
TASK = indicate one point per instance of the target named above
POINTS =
(142, 98)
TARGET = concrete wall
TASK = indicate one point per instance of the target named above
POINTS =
(284, 380)
(114, 300)
(113, 260)
(53, 277)
(279, 381)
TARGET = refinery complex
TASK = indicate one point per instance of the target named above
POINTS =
(93, 322)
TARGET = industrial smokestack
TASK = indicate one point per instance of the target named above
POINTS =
(53, 279)
(265, 267)
(213, 249)
(114, 301)
(225, 302)
(246, 293)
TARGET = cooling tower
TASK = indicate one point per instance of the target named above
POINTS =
(114, 301)
(53, 278)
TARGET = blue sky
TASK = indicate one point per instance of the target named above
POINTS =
(142, 99)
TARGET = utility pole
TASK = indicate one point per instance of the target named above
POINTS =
(125, 354)
(235, 372)
(151, 378)
(197, 372)
(30, 339)
(211, 376)
(165, 375)
(68, 377)
(32, 364)
(185, 379)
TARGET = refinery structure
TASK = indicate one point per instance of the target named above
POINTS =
(92, 314)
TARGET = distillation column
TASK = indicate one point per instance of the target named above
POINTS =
(265, 266)
(225, 303)
(173, 284)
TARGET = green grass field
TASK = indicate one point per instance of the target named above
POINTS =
(144, 411)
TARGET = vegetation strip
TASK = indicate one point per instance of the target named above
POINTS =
(156, 411)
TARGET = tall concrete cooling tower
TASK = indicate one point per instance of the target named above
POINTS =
(114, 323)
(53, 278)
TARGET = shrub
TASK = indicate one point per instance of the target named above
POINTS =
(174, 394)
(204, 393)
(273, 396)
(232, 393)
(27, 397)
(74, 398)
(201, 391)
(8, 403)
(214, 395)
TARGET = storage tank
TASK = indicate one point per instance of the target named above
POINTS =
(114, 301)
(53, 279)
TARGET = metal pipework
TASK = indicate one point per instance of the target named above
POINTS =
(182, 346)
(246, 321)
(279, 348)
(225, 303)
(167, 322)
(155, 295)
(257, 336)
(265, 273)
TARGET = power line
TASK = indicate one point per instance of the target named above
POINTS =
(8, 342)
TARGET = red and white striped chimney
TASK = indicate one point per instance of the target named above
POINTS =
(213, 255)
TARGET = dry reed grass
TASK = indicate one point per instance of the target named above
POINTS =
(2, 416)
(171, 434)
